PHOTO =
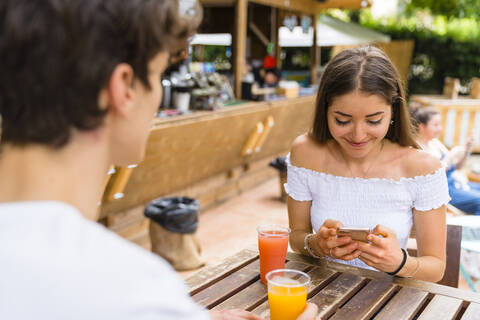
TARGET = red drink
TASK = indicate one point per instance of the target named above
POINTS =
(272, 245)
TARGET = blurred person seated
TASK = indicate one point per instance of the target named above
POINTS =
(465, 195)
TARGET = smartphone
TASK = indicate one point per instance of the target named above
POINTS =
(359, 234)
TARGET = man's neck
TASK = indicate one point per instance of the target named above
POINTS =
(73, 174)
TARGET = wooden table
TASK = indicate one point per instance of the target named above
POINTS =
(340, 291)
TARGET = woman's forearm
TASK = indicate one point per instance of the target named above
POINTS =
(427, 268)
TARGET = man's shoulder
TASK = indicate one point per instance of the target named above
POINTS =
(80, 260)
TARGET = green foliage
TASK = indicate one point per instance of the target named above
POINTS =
(219, 55)
(443, 47)
(448, 8)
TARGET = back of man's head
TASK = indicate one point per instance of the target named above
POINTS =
(58, 54)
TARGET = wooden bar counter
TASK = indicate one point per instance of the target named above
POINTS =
(205, 156)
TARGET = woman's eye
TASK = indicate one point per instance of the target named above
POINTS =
(376, 122)
(342, 123)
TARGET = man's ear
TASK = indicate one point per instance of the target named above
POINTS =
(120, 93)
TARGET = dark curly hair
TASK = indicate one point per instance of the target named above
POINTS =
(369, 70)
(58, 54)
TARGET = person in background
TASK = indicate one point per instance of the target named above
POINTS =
(361, 167)
(465, 195)
(78, 90)
(269, 77)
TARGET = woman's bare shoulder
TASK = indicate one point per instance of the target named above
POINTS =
(306, 152)
(418, 162)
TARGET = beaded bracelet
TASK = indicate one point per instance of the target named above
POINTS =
(307, 246)
(404, 259)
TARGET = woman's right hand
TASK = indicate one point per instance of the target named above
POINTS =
(342, 248)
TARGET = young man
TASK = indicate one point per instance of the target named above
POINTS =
(79, 86)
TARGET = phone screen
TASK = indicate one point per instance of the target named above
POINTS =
(359, 234)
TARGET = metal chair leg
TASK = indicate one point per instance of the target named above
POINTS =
(467, 277)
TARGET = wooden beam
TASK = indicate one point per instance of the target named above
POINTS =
(341, 4)
(278, 50)
(311, 6)
(240, 44)
(314, 61)
(258, 33)
(304, 6)
(217, 3)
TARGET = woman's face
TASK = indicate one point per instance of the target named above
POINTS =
(433, 128)
(358, 122)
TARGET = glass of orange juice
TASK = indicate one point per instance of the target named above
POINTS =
(272, 246)
(287, 293)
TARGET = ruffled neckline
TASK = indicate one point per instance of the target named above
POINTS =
(330, 176)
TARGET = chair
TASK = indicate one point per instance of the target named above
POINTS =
(470, 245)
(452, 268)
(454, 211)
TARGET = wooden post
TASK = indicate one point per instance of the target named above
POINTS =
(314, 52)
(278, 50)
(240, 44)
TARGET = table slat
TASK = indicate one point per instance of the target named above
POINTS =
(404, 305)
(255, 293)
(206, 275)
(472, 312)
(434, 288)
(228, 286)
(441, 307)
(336, 293)
(367, 301)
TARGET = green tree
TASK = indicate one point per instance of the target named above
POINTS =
(448, 8)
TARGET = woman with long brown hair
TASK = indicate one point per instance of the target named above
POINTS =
(361, 167)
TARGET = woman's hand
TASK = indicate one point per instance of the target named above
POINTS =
(336, 247)
(383, 253)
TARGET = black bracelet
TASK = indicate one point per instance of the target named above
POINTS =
(401, 264)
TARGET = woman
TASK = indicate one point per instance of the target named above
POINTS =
(361, 167)
(465, 195)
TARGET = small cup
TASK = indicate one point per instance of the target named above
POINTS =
(272, 246)
(287, 293)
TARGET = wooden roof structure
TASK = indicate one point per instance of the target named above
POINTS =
(303, 6)
(278, 8)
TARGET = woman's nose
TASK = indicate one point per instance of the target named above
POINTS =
(358, 133)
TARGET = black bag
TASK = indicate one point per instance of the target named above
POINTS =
(176, 214)
(280, 164)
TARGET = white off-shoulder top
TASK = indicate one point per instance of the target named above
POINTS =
(366, 202)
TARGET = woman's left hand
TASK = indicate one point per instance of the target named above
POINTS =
(383, 253)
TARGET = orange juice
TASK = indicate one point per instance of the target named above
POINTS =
(287, 293)
(286, 303)
(272, 245)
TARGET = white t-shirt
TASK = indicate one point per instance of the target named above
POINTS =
(55, 264)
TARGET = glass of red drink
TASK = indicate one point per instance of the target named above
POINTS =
(272, 246)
